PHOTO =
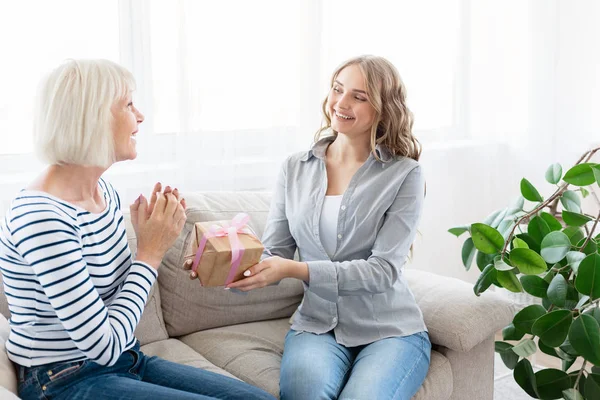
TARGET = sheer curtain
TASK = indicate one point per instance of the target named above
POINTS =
(229, 88)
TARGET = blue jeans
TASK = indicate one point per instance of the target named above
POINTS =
(316, 367)
(134, 376)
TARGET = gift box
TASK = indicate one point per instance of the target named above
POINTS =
(222, 250)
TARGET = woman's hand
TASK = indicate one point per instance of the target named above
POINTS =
(157, 230)
(270, 270)
(155, 193)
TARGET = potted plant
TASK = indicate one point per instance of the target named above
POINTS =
(549, 251)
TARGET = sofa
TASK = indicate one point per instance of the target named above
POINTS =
(242, 335)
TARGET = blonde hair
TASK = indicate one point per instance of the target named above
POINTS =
(72, 114)
(387, 94)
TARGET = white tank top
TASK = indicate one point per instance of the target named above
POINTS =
(328, 223)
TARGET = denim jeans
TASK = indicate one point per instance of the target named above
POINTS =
(316, 367)
(134, 376)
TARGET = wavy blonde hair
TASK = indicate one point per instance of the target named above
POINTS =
(387, 95)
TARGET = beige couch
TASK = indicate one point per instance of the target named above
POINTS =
(242, 335)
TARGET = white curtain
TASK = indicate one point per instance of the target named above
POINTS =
(229, 88)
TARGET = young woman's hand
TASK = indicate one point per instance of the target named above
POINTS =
(269, 271)
(157, 230)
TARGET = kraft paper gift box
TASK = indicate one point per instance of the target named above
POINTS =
(222, 250)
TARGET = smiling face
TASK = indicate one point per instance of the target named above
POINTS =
(126, 119)
(348, 103)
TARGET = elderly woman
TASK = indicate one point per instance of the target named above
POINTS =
(75, 292)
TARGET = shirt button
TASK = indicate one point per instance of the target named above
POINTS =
(49, 372)
(44, 387)
(343, 208)
(339, 236)
(334, 320)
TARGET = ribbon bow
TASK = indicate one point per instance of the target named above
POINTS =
(230, 229)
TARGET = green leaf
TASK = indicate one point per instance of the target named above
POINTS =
(553, 327)
(544, 348)
(500, 265)
(509, 281)
(528, 261)
(538, 229)
(574, 233)
(468, 252)
(486, 239)
(584, 192)
(534, 285)
(590, 248)
(509, 357)
(575, 219)
(571, 201)
(533, 245)
(483, 260)
(574, 259)
(557, 291)
(519, 244)
(584, 299)
(551, 383)
(572, 394)
(596, 172)
(555, 247)
(566, 364)
(485, 279)
(525, 318)
(511, 333)
(526, 348)
(552, 222)
(580, 175)
(584, 336)
(554, 173)
(459, 230)
(529, 191)
(524, 376)
(588, 277)
(568, 348)
(564, 355)
(489, 220)
(506, 227)
(592, 386)
(593, 312)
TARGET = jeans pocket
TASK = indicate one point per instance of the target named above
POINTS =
(62, 371)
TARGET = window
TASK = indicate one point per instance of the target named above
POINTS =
(36, 40)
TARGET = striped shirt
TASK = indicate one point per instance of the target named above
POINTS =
(72, 289)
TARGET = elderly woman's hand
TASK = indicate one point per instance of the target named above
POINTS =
(157, 230)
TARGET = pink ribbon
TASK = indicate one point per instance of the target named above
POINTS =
(231, 230)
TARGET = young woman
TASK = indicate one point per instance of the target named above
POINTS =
(350, 206)
(74, 290)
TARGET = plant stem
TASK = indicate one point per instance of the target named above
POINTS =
(593, 303)
(555, 197)
(579, 375)
(591, 232)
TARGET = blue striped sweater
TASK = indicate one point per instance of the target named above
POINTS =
(73, 290)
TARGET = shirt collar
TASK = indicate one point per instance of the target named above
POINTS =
(319, 149)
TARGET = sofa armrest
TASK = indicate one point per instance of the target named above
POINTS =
(454, 316)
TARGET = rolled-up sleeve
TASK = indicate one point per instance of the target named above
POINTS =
(376, 274)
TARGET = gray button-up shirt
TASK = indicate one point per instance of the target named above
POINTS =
(360, 292)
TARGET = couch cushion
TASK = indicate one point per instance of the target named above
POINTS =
(178, 352)
(151, 327)
(454, 316)
(8, 377)
(187, 306)
(253, 352)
